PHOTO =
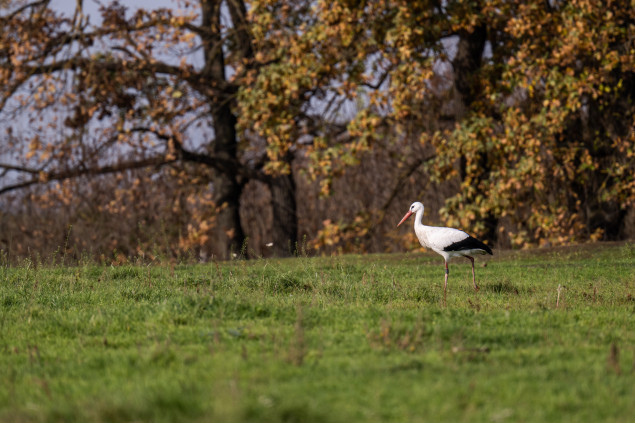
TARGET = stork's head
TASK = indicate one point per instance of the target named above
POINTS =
(414, 208)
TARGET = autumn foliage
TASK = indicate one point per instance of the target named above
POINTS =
(213, 128)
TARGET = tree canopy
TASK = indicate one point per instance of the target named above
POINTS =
(529, 106)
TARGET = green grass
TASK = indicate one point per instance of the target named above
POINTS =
(354, 338)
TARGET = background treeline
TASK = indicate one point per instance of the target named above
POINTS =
(259, 128)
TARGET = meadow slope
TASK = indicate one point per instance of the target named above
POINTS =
(549, 337)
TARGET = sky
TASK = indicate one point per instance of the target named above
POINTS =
(91, 7)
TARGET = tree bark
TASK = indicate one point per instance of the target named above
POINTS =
(466, 64)
(228, 233)
(469, 51)
(285, 221)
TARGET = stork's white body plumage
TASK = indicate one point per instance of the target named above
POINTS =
(448, 242)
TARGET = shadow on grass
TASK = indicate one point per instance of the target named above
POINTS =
(502, 288)
(267, 410)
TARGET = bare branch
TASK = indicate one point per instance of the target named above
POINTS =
(380, 81)
(74, 173)
(220, 162)
(197, 81)
(19, 10)
(19, 168)
(401, 179)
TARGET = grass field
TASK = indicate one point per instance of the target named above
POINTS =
(337, 339)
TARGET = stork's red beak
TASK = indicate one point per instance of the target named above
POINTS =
(405, 217)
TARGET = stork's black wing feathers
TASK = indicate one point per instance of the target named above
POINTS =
(469, 243)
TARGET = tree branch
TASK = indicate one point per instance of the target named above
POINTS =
(74, 173)
(380, 81)
(402, 178)
(196, 80)
(220, 162)
(19, 168)
(16, 12)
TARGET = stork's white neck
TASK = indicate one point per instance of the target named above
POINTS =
(418, 218)
(420, 228)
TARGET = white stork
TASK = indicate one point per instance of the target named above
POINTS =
(448, 242)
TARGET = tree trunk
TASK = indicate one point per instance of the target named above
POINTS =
(285, 222)
(469, 51)
(228, 232)
(466, 64)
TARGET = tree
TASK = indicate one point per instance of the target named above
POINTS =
(555, 167)
(152, 89)
(535, 122)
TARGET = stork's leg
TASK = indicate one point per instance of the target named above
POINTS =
(473, 275)
(445, 286)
